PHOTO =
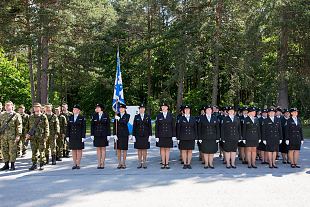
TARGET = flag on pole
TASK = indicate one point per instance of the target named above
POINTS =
(118, 97)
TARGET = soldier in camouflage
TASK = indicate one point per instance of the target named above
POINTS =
(67, 114)
(60, 141)
(54, 133)
(22, 145)
(10, 132)
(38, 133)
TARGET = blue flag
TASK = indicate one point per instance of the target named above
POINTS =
(118, 97)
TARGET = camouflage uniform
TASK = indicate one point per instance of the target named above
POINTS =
(22, 145)
(38, 140)
(8, 138)
(51, 141)
(60, 141)
(66, 149)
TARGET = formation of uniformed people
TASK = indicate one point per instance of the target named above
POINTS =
(55, 132)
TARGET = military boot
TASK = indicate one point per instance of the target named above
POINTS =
(12, 166)
(5, 167)
(53, 159)
(33, 167)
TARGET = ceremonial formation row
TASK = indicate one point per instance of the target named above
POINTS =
(53, 133)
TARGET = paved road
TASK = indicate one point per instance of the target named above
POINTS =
(60, 186)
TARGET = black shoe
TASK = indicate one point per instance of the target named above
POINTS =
(41, 166)
(78, 167)
(293, 166)
(284, 162)
(212, 167)
(98, 167)
(5, 167)
(270, 166)
(228, 167)
(182, 163)
(189, 167)
(53, 159)
(184, 166)
(167, 167)
(297, 166)
(254, 166)
(249, 166)
(274, 166)
(244, 162)
(33, 167)
(144, 166)
(12, 166)
(162, 166)
(203, 163)
(234, 167)
(205, 167)
(119, 166)
(74, 167)
(139, 166)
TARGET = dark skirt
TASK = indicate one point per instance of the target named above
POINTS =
(122, 143)
(230, 146)
(294, 146)
(283, 148)
(272, 146)
(209, 146)
(261, 146)
(76, 144)
(187, 144)
(142, 143)
(241, 144)
(101, 142)
(165, 142)
(251, 143)
(199, 146)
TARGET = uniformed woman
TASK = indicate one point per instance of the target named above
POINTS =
(187, 135)
(294, 137)
(241, 145)
(121, 137)
(209, 136)
(142, 133)
(165, 134)
(261, 146)
(251, 136)
(230, 134)
(283, 148)
(272, 136)
(100, 133)
(76, 131)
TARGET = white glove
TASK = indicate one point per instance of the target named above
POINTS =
(259, 140)
(157, 139)
(150, 137)
(223, 141)
(67, 138)
(117, 118)
(243, 141)
(92, 137)
(265, 142)
(287, 142)
(83, 139)
(302, 141)
(174, 139)
(280, 141)
(200, 141)
(133, 138)
(115, 138)
(178, 141)
(217, 141)
(108, 138)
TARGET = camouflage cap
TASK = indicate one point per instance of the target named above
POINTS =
(37, 105)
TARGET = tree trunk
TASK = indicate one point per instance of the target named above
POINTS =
(31, 74)
(39, 66)
(149, 65)
(218, 18)
(44, 76)
(283, 82)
